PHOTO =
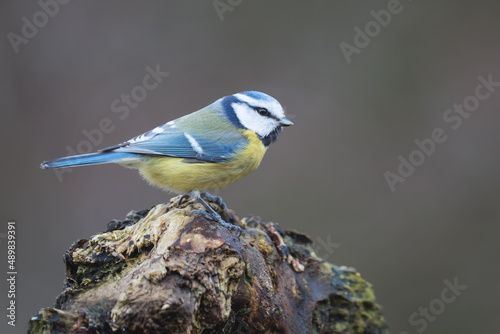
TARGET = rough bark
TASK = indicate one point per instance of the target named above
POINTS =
(164, 271)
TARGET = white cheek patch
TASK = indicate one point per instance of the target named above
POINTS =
(273, 106)
(251, 120)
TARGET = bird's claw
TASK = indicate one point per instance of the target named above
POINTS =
(217, 219)
(217, 200)
(183, 198)
(209, 197)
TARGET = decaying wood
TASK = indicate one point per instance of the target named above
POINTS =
(164, 271)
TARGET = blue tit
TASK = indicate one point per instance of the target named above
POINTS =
(207, 149)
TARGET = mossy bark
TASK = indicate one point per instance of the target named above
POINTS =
(164, 271)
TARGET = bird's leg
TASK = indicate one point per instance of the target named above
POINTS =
(210, 213)
(217, 200)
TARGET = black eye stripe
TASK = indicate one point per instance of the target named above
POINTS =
(264, 112)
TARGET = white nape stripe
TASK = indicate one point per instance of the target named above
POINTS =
(194, 144)
(245, 98)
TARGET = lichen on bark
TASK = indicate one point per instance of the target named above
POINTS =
(165, 271)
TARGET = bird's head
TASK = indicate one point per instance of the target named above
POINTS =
(257, 112)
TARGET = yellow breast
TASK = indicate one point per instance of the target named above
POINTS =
(181, 177)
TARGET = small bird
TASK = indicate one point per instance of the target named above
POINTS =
(207, 149)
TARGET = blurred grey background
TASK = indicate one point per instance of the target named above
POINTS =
(324, 176)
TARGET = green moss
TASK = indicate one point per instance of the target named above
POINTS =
(264, 247)
(351, 308)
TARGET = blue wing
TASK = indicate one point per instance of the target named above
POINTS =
(169, 140)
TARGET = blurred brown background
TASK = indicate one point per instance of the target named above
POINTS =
(324, 176)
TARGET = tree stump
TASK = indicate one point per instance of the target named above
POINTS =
(164, 271)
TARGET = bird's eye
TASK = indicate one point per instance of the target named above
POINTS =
(263, 112)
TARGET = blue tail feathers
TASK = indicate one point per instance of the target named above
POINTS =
(89, 159)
